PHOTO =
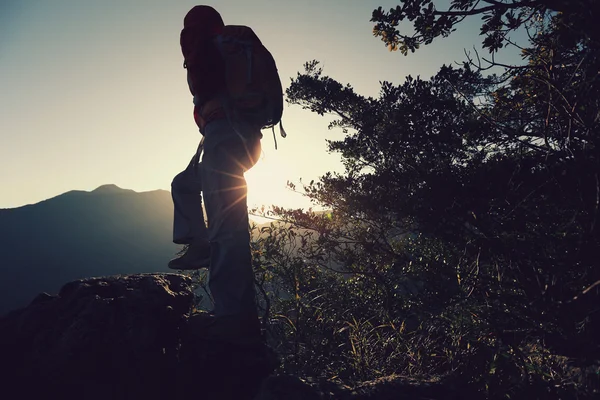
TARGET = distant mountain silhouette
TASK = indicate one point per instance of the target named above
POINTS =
(82, 234)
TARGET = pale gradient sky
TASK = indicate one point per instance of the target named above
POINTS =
(93, 91)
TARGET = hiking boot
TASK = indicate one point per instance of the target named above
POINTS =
(195, 256)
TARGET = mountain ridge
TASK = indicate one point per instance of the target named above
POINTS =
(80, 234)
(106, 189)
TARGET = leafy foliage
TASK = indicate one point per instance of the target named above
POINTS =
(461, 239)
(500, 18)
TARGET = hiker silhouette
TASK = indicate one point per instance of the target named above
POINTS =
(229, 147)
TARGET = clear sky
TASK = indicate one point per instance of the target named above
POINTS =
(93, 92)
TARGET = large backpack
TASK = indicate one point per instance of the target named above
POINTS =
(253, 94)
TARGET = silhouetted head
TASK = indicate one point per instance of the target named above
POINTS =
(205, 18)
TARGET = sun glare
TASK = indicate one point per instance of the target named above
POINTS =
(267, 185)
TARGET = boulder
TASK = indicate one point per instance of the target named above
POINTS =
(122, 337)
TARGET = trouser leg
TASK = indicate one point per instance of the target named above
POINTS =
(231, 278)
(188, 218)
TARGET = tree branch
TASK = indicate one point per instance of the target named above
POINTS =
(477, 11)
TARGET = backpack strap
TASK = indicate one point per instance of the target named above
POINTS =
(274, 137)
(281, 132)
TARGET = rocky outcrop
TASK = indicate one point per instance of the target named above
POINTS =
(122, 337)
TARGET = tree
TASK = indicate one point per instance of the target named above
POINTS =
(464, 223)
(549, 105)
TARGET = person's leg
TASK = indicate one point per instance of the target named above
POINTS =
(188, 220)
(231, 278)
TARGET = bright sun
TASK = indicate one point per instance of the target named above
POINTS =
(267, 185)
